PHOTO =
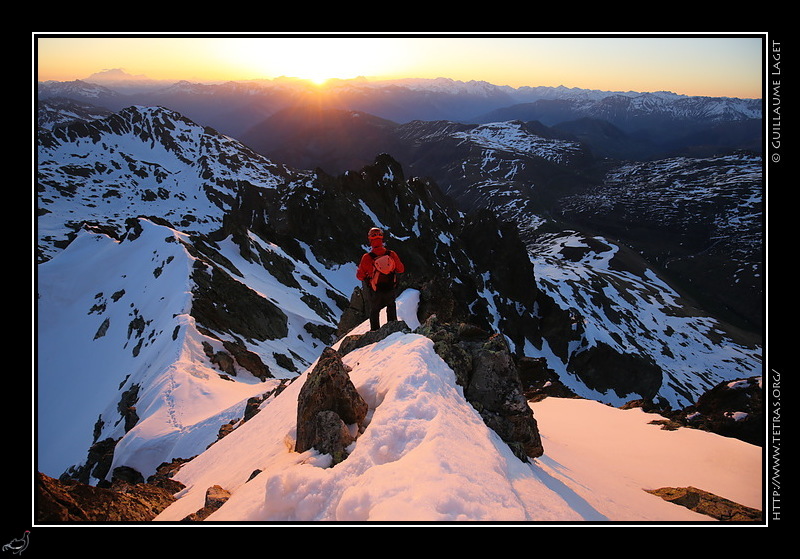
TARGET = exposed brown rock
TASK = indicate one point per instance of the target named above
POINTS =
(707, 503)
(328, 402)
(70, 501)
(216, 496)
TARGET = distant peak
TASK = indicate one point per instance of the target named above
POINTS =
(114, 74)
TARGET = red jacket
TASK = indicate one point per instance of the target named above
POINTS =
(366, 268)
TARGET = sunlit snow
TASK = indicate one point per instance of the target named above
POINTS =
(424, 456)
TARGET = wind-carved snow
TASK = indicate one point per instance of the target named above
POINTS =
(425, 455)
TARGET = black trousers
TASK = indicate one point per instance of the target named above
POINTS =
(378, 300)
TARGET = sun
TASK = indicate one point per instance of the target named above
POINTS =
(315, 59)
(318, 80)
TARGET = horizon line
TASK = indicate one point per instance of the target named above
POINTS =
(130, 78)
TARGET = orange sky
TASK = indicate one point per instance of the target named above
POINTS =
(709, 65)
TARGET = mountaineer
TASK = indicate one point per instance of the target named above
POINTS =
(378, 271)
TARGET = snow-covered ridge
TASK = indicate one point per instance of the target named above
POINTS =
(701, 180)
(437, 85)
(512, 137)
(636, 314)
(688, 107)
(426, 456)
(727, 191)
(563, 92)
(117, 313)
(132, 315)
(150, 161)
(80, 88)
(474, 87)
(440, 85)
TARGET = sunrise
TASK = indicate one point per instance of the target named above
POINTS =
(355, 280)
(703, 65)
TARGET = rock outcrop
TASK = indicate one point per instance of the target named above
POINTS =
(485, 368)
(330, 411)
(707, 503)
(216, 496)
(356, 341)
(732, 409)
(71, 501)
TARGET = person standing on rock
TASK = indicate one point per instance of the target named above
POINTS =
(378, 271)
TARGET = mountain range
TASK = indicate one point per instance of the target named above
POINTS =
(196, 246)
(422, 122)
(619, 124)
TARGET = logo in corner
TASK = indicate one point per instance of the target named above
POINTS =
(18, 545)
